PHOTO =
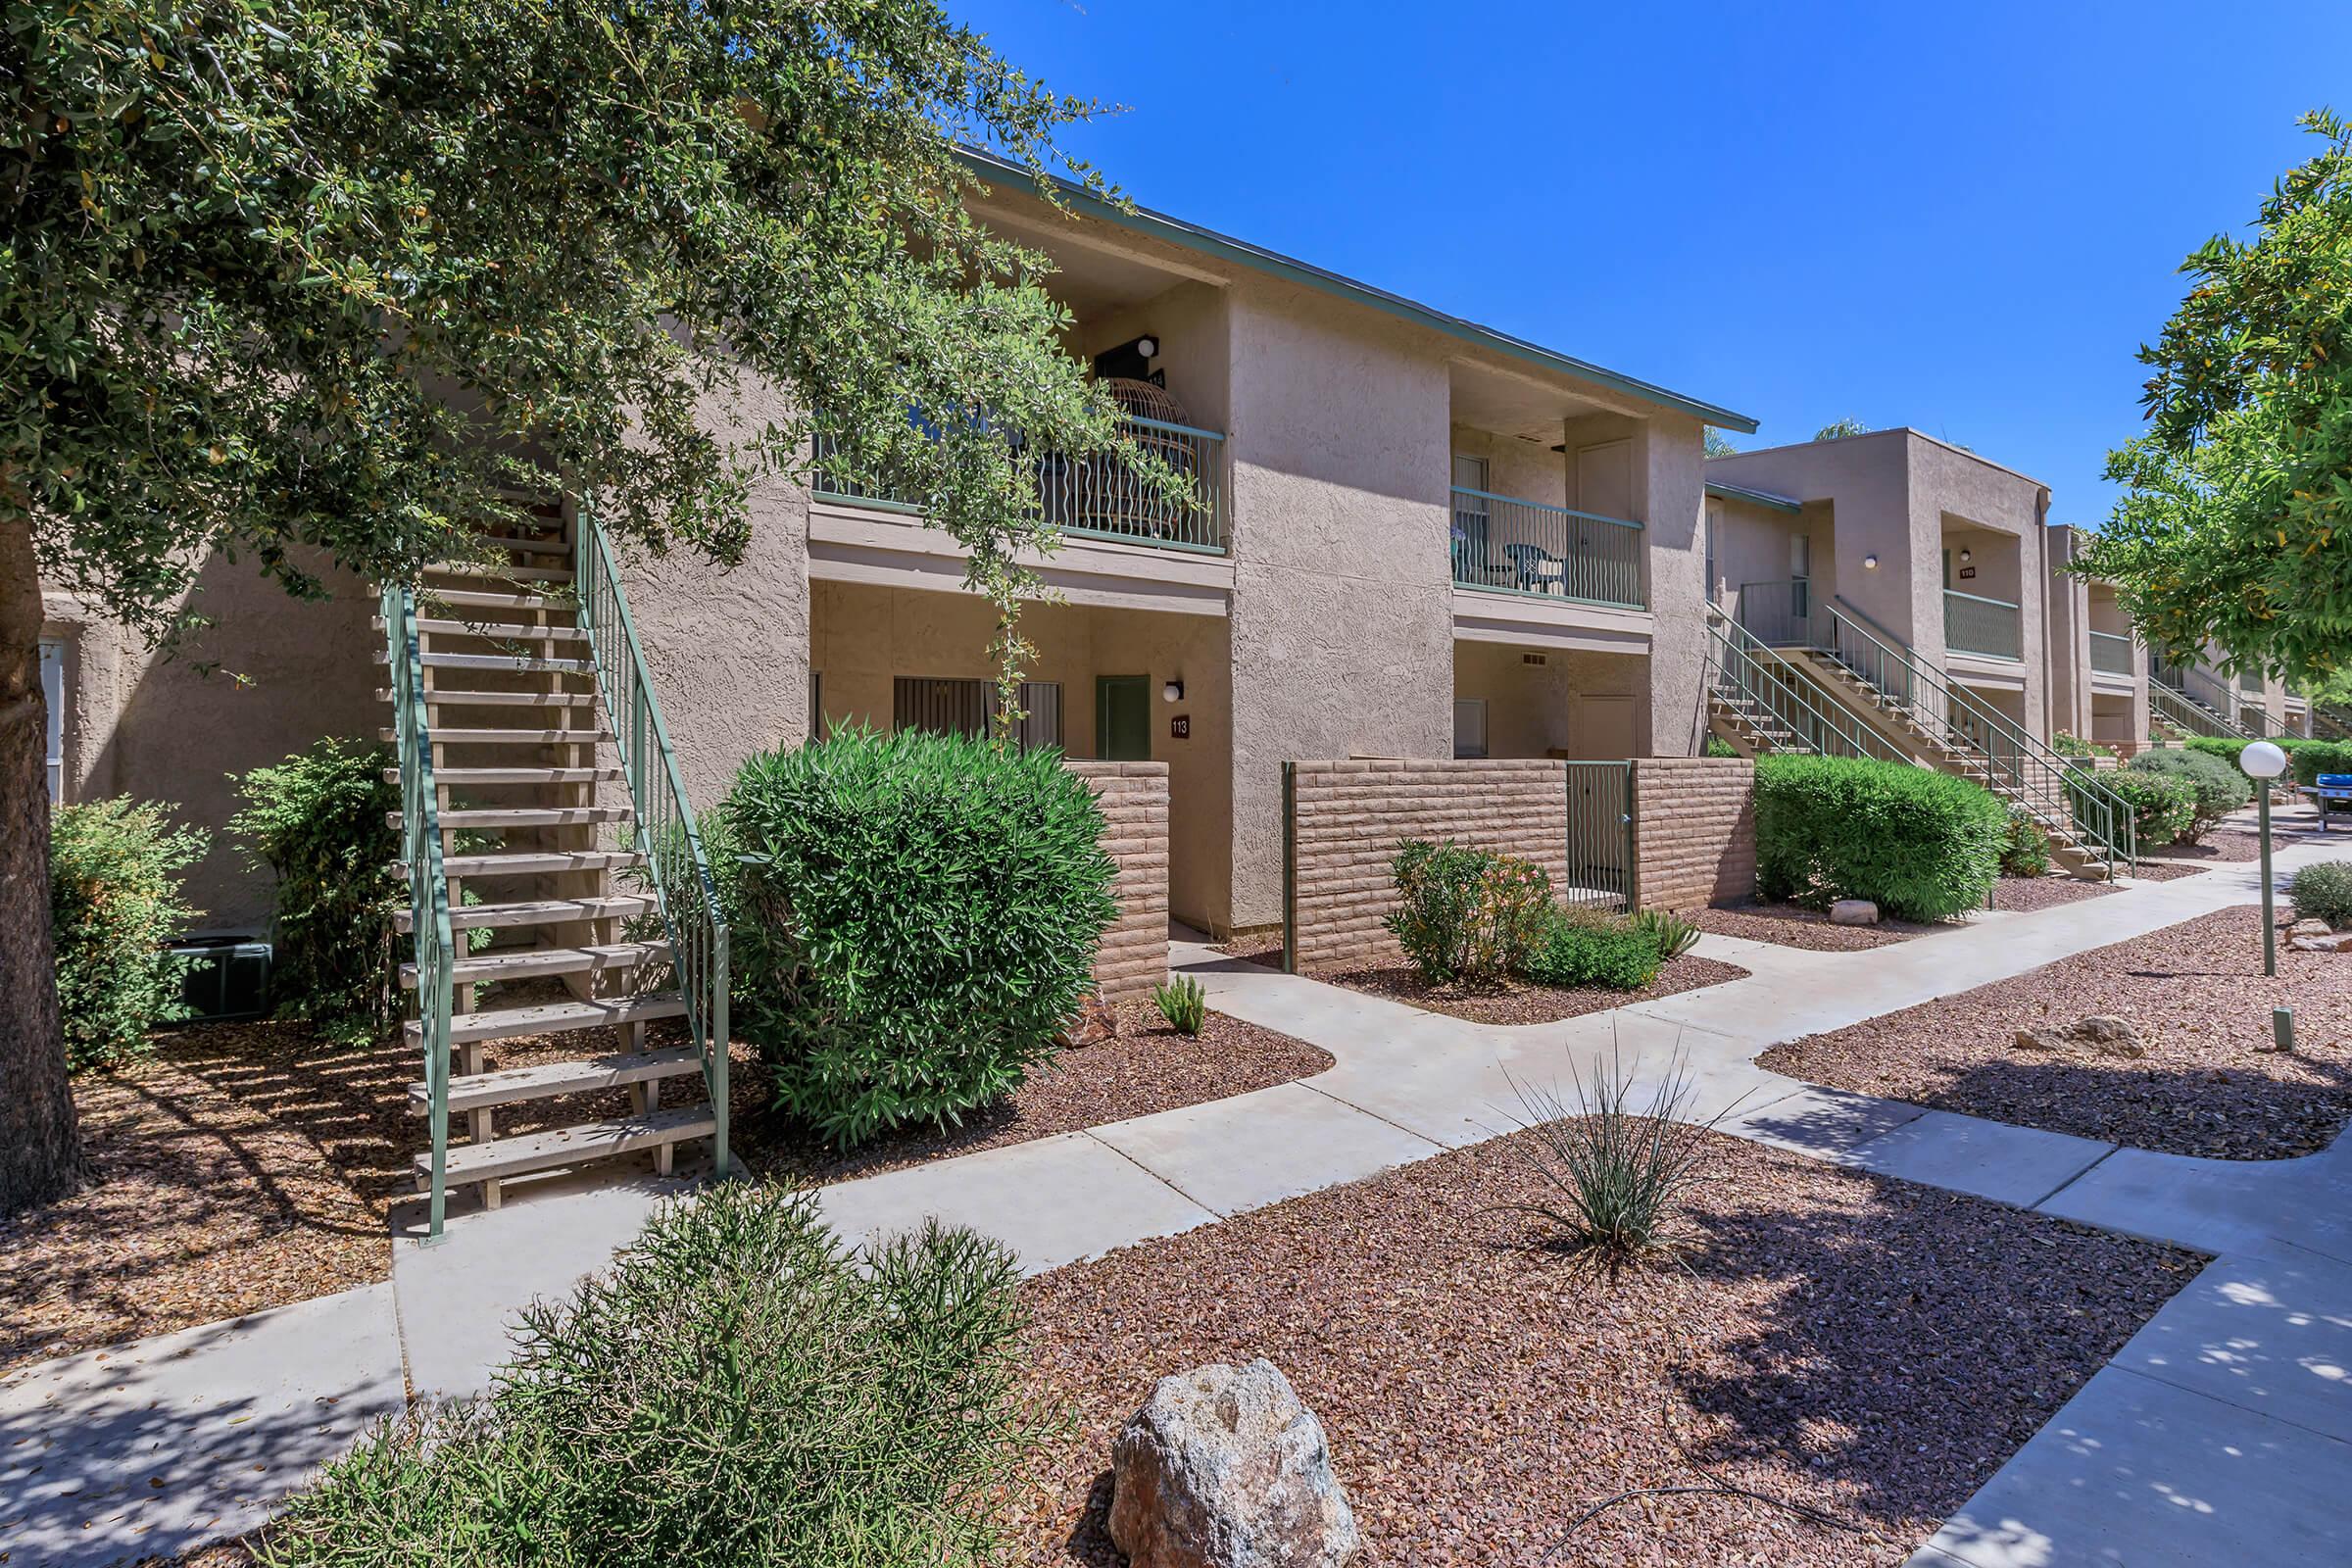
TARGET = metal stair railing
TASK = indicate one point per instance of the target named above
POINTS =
(428, 888)
(2201, 693)
(2330, 722)
(1744, 670)
(2056, 791)
(665, 832)
(2176, 712)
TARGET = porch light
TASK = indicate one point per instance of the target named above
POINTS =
(1172, 692)
(1148, 346)
(1964, 554)
(1869, 562)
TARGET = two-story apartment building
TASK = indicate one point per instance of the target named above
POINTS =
(1423, 538)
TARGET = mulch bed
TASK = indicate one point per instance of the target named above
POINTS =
(1865, 1347)
(1789, 926)
(1149, 1067)
(2198, 996)
(1522, 1003)
(2023, 894)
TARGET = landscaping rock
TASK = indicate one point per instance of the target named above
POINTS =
(1224, 1467)
(2337, 943)
(2309, 928)
(1853, 911)
(1095, 1022)
(2100, 1035)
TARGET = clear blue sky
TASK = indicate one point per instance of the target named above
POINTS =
(1965, 218)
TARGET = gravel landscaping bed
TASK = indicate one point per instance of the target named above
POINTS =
(1791, 927)
(1519, 1001)
(2195, 993)
(2023, 894)
(1864, 1346)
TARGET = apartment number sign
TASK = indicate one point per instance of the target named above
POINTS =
(1180, 727)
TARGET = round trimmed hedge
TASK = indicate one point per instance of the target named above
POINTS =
(1920, 845)
(2219, 787)
(916, 918)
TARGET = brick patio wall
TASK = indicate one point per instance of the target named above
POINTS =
(1694, 831)
(1133, 955)
(1348, 816)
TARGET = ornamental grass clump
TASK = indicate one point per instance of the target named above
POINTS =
(2323, 892)
(1464, 915)
(914, 918)
(1183, 1002)
(1613, 1173)
(114, 901)
(738, 1388)
(1920, 845)
(2218, 787)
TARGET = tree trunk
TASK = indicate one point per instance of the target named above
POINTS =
(40, 1143)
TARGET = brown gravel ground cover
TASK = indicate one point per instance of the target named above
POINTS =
(1791, 927)
(2198, 996)
(1521, 1002)
(1865, 1346)
(2021, 894)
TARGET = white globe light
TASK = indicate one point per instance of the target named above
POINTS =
(2262, 759)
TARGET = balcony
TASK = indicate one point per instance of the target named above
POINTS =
(1502, 544)
(1105, 495)
(1992, 628)
(2110, 654)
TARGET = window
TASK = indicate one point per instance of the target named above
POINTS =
(53, 693)
(962, 707)
(1800, 574)
(1469, 726)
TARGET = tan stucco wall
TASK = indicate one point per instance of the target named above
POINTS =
(1585, 706)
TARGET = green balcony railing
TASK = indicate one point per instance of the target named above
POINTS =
(1974, 625)
(2110, 654)
(1778, 615)
(420, 850)
(1107, 495)
(1513, 546)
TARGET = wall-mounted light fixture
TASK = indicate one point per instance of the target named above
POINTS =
(1148, 346)
(1869, 562)
(1172, 692)
(1965, 556)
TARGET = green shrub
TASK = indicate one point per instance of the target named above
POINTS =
(2323, 892)
(2306, 760)
(1183, 1004)
(2219, 786)
(319, 822)
(1921, 845)
(2025, 852)
(2162, 808)
(2225, 746)
(736, 1389)
(915, 917)
(1670, 933)
(114, 901)
(2065, 744)
(1465, 915)
(1717, 746)
(1583, 948)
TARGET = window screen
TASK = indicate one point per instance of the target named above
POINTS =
(962, 707)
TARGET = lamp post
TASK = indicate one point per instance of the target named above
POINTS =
(2263, 763)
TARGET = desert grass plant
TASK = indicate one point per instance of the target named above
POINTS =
(1465, 915)
(1183, 1002)
(113, 901)
(1669, 932)
(737, 1390)
(2323, 892)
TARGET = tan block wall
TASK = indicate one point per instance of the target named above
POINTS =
(1694, 831)
(1134, 957)
(1347, 817)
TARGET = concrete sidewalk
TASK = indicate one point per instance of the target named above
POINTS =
(2255, 1352)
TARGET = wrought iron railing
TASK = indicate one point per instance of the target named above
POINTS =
(665, 832)
(428, 888)
(2330, 722)
(1975, 624)
(1600, 836)
(2173, 710)
(2214, 704)
(1784, 705)
(1778, 615)
(2054, 789)
(1514, 545)
(2110, 653)
(1107, 495)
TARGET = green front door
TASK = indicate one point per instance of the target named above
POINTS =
(1123, 717)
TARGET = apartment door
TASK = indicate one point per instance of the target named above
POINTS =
(1604, 728)
(1123, 718)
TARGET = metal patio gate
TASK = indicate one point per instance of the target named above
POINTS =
(1600, 836)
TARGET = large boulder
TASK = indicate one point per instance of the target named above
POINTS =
(2099, 1035)
(1224, 1467)
(1853, 911)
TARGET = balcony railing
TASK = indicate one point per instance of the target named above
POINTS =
(1513, 546)
(1993, 627)
(1106, 496)
(1778, 615)
(2110, 654)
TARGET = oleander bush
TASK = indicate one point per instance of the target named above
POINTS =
(2162, 808)
(114, 901)
(916, 918)
(2219, 787)
(737, 1388)
(1465, 915)
(1921, 845)
(2026, 851)
(1587, 948)
(2323, 892)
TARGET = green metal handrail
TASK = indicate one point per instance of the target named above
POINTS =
(1745, 670)
(1532, 547)
(677, 869)
(428, 888)
(2055, 790)
(2185, 715)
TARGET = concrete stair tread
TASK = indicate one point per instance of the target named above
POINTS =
(433, 599)
(513, 1085)
(511, 737)
(492, 573)
(539, 912)
(525, 663)
(528, 544)
(556, 1017)
(450, 697)
(570, 1146)
(532, 862)
(526, 817)
(550, 774)
(503, 631)
(529, 962)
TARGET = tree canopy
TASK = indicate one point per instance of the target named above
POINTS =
(1840, 429)
(2235, 524)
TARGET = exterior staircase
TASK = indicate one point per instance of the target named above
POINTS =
(2330, 724)
(559, 892)
(1759, 702)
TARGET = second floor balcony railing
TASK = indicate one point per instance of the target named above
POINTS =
(1106, 496)
(1992, 627)
(1513, 546)
(2110, 654)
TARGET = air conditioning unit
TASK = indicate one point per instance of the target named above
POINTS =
(225, 979)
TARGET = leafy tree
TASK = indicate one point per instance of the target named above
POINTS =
(2235, 523)
(288, 283)
(1840, 429)
(1716, 446)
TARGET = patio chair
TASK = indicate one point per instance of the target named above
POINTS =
(1537, 570)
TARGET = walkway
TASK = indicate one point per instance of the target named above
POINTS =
(2208, 1438)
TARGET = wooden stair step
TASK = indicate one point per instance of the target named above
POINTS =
(555, 1017)
(513, 1085)
(528, 963)
(449, 697)
(491, 573)
(532, 862)
(524, 664)
(569, 1146)
(516, 776)
(510, 737)
(538, 911)
(525, 817)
